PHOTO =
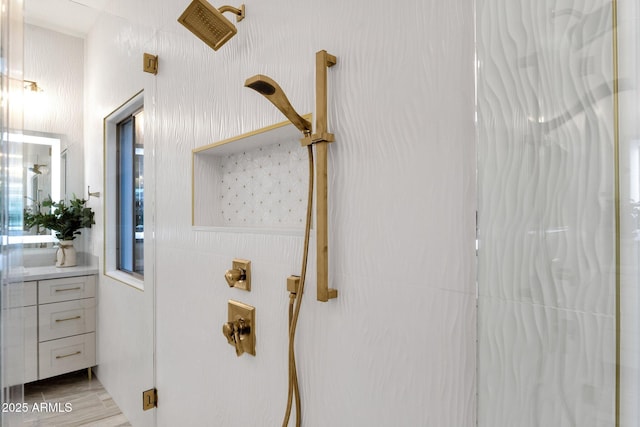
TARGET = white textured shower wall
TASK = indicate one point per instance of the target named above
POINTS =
(546, 202)
(398, 345)
(56, 62)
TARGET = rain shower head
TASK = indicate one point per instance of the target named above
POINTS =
(274, 93)
(208, 23)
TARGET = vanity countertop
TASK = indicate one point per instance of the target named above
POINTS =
(53, 272)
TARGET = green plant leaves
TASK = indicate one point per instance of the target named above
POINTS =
(65, 219)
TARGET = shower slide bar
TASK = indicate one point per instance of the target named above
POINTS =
(321, 139)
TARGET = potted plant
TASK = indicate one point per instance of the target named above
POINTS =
(65, 220)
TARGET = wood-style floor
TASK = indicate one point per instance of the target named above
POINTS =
(71, 400)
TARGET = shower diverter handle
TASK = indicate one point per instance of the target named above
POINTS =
(233, 331)
(235, 275)
(240, 275)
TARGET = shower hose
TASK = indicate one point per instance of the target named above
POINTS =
(295, 299)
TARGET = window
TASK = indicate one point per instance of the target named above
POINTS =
(124, 238)
(130, 194)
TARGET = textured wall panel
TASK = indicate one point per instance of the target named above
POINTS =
(546, 260)
(398, 345)
(56, 62)
(125, 315)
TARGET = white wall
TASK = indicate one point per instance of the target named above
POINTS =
(56, 62)
(125, 314)
(398, 345)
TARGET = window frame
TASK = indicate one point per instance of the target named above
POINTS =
(111, 121)
(136, 119)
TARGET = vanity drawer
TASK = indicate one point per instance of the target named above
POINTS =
(67, 354)
(63, 319)
(69, 288)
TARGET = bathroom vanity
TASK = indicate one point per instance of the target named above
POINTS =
(59, 320)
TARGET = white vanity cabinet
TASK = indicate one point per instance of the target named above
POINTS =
(25, 314)
(66, 325)
(30, 315)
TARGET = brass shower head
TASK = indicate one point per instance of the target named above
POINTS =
(274, 93)
(208, 23)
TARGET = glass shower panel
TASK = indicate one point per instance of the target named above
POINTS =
(11, 202)
(548, 214)
(628, 25)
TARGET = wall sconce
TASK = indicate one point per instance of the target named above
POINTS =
(31, 86)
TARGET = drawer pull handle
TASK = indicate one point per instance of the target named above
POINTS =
(69, 289)
(68, 318)
(69, 355)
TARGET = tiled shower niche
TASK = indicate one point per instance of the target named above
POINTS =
(256, 182)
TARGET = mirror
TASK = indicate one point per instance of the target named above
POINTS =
(41, 178)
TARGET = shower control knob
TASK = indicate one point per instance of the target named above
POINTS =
(227, 330)
(239, 276)
(233, 331)
(239, 330)
(232, 276)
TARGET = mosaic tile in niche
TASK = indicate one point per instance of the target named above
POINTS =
(264, 187)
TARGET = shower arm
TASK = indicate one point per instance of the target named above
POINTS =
(238, 12)
(321, 138)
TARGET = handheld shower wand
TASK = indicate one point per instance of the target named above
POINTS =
(321, 138)
(272, 91)
(267, 87)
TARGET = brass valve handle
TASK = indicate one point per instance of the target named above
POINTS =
(234, 275)
(227, 331)
(233, 332)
